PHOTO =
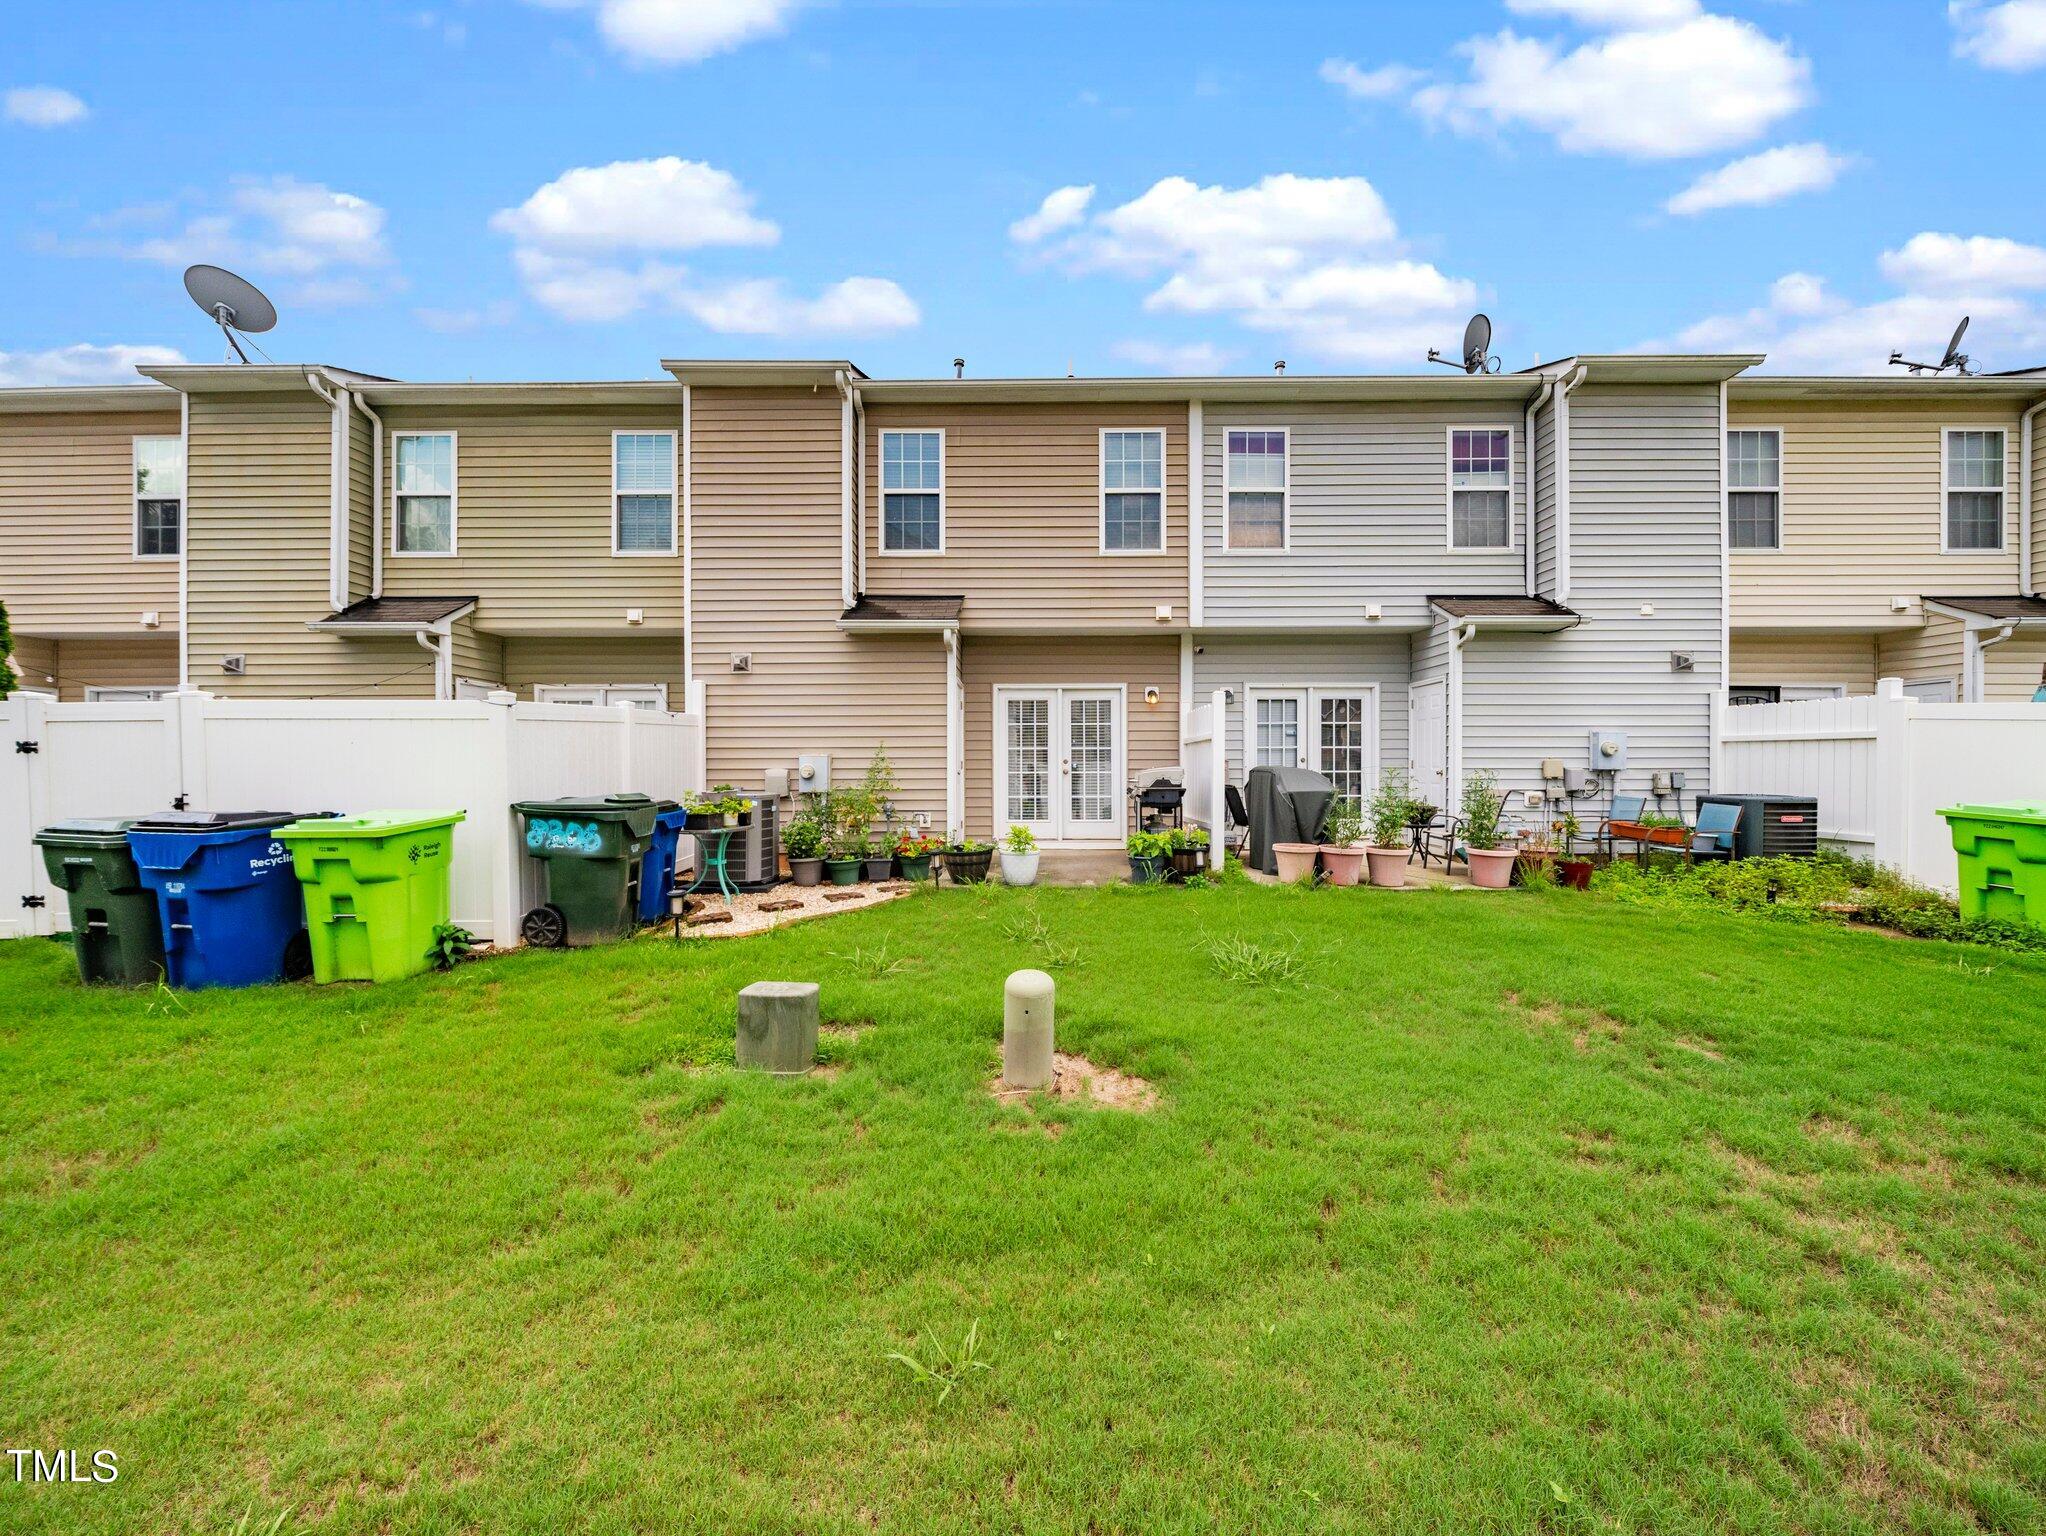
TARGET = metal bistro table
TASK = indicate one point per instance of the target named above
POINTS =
(712, 844)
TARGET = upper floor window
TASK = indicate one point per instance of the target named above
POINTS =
(1481, 488)
(1974, 487)
(1754, 488)
(1132, 491)
(424, 520)
(642, 493)
(913, 493)
(159, 496)
(1257, 484)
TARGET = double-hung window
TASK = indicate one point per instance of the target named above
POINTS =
(642, 493)
(1256, 483)
(159, 496)
(1974, 489)
(1481, 488)
(1754, 488)
(913, 493)
(1132, 492)
(423, 519)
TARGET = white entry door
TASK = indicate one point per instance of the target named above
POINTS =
(1428, 741)
(1059, 763)
(1333, 730)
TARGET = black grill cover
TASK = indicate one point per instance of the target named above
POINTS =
(1286, 805)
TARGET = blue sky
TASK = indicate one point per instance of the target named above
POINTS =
(577, 188)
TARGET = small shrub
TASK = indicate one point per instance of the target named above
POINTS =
(452, 944)
(1345, 824)
(1392, 809)
(1020, 840)
(1483, 806)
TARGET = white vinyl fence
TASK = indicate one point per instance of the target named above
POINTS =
(1883, 765)
(1205, 754)
(65, 761)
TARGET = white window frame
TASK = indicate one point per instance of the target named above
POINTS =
(1449, 487)
(1732, 490)
(136, 498)
(881, 477)
(1947, 489)
(1285, 545)
(549, 693)
(454, 496)
(674, 497)
(1310, 696)
(1103, 492)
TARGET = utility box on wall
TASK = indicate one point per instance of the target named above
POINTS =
(1608, 750)
(813, 773)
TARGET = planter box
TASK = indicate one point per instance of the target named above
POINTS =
(1658, 837)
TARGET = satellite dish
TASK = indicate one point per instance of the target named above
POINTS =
(1953, 357)
(1477, 347)
(234, 303)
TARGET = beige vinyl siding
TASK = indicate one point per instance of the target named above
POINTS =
(361, 442)
(67, 524)
(767, 510)
(1936, 650)
(2012, 671)
(478, 658)
(550, 659)
(533, 521)
(1368, 520)
(36, 659)
(1863, 512)
(2039, 502)
(1023, 517)
(257, 541)
(1848, 661)
(1150, 731)
(1240, 663)
(91, 661)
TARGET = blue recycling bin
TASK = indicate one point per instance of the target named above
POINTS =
(227, 894)
(657, 869)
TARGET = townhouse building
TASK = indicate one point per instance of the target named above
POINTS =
(1020, 586)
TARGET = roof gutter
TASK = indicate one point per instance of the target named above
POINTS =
(337, 490)
(1533, 408)
(1560, 424)
(2025, 583)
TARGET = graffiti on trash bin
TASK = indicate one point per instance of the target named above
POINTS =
(564, 836)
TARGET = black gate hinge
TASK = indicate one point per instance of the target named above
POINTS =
(33, 901)
(26, 747)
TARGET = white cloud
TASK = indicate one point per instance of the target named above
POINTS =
(1761, 179)
(1806, 328)
(1707, 83)
(42, 106)
(1314, 260)
(682, 31)
(455, 322)
(857, 306)
(1060, 210)
(1190, 359)
(309, 227)
(1616, 14)
(82, 364)
(2010, 36)
(1361, 84)
(669, 204)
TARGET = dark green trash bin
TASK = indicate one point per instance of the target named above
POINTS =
(593, 850)
(114, 927)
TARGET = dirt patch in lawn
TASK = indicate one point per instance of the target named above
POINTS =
(752, 912)
(1077, 1078)
(1589, 1027)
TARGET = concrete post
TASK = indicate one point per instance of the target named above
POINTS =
(777, 1028)
(1027, 1000)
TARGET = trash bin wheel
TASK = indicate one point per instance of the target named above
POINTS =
(298, 957)
(545, 927)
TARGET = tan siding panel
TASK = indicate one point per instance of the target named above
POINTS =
(143, 661)
(551, 659)
(2013, 671)
(477, 658)
(37, 659)
(1820, 660)
(1923, 655)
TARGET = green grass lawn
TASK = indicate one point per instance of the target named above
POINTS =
(1515, 1213)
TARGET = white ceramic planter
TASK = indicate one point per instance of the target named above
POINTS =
(1019, 868)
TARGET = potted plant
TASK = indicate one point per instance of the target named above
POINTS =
(913, 850)
(1342, 837)
(1187, 848)
(719, 806)
(1147, 857)
(879, 860)
(1491, 866)
(1575, 872)
(1537, 857)
(1394, 814)
(1296, 860)
(967, 861)
(1019, 857)
(803, 842)
(843, 854)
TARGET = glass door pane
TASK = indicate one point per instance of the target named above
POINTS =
(1275, 731)
(1341, 724)
(1094, 798)
(1027, 747)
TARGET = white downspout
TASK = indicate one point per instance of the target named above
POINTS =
(1452, 792)
(848, 592)
(1196, 517)
(376, 498)
(337, 542)
(185, 549)
(2025, 583)
(955, 741)
(688, 548)
(443, 661)
(1533, 409)
(1978, 681)
(1561, 427)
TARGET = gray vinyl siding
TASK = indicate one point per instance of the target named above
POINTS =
(1644, 528)
(1368, 520)
(1241, 662)
(1545, 501)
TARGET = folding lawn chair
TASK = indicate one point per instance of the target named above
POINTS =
(1624, 808)
(1713, 836)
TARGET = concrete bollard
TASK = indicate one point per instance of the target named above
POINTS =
(777, 1028)
(1027, 1000)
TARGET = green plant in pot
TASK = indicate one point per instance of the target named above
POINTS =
(1484, 806)
(1187, 850)
(1391, 816)
(1342, 837)
(1147, 853)
(913, 852)
(968, 861)
(1019, 857)
(844, 851)
(1573, 871)
(803, 841)
(719, 806)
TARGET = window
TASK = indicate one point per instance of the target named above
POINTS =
(159, 496)
(1974, 490)
(1276, 724)
(638, 695)
(1132, 491)
(1754, 488)
(1257, 484)
(642, 493)
(1333, 730)
(913, 493)
(123, 695)
(1754, 693)
(424, 469)
(1481, 488)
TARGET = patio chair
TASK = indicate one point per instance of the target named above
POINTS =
(1624, 808)
(1237, 832)
(1441, 837)
(1713, 836)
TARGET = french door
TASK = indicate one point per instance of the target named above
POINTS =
(1332, 730)
(1059, 763)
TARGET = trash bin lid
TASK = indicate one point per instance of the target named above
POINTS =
(374, 824)
(2033, 811)
(197, 822)
(610, 807)
(87, 832)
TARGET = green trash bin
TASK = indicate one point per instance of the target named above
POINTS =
(375, 889)
(2002, 854)
(115, 931)
(593, 850)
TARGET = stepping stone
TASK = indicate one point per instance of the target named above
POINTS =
(781, 906)
(705, 919)
(842, 896)
(894, 887)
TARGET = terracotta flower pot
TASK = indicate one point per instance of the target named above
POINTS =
(1343, 866)
(1296, 860)
(1492, 868)
(1388, 867)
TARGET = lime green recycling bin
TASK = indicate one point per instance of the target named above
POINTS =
(593, 850)
(2002, 853)
(375, 889)
(114, 928)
